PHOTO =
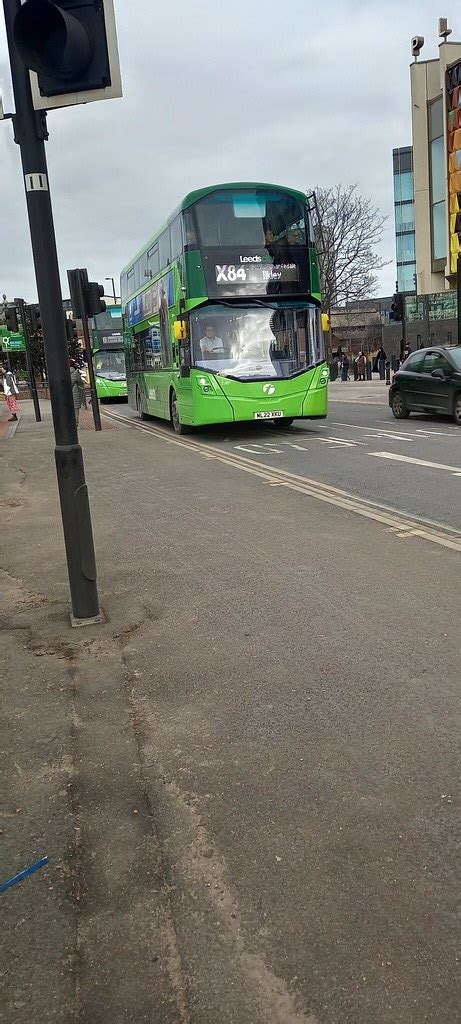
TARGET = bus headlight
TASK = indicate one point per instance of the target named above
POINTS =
(205, 385)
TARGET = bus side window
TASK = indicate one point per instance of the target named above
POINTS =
(164, 249)
(176, 238)
(142, 263)
(190, 235)
(130, 285)
(153, 262)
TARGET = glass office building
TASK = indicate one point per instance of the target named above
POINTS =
(404, 213)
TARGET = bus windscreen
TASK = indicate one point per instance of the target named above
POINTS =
(256, 218)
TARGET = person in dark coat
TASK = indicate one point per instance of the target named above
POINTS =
(344, 368)
(380, 363)
(78, 388)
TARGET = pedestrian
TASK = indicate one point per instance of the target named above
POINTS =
(344, 368)
(380, 363)
(11, 391)
(78, 388)
(361, 365)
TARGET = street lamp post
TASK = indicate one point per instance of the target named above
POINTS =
(113, 288)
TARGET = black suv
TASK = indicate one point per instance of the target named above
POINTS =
(428, 381)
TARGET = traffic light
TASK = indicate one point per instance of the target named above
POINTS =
(94, 300)
(71, 332)
(85, 295)
(35, 319)
(397, 310)
(11, 319)
(70, 46)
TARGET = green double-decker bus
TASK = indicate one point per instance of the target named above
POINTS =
(109, 355)
(221, 310)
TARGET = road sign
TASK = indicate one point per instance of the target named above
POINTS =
(11, 342)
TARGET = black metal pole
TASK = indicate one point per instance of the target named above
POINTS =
(30, 132)
(94, 393)
(89, 356)
(30, 367)
(403, 343)
(458, 294)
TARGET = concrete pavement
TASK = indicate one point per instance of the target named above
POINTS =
(245, 780)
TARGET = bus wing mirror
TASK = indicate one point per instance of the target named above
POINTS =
(181, 331)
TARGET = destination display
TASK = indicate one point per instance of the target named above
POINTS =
(113, 340)
(255, 272)
(230, 272)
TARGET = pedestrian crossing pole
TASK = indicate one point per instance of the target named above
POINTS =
(30, 132)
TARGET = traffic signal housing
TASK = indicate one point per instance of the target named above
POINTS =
(71, 332)
(73, 346)
(397, 310)
(85, 295)
(94, 301)
(35, 319)
(11, 319)
(70, 48)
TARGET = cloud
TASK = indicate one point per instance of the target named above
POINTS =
(262, 90)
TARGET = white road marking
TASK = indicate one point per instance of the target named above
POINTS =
(454, 470)
(421, 430)
(437, 433)
(386, 433)
(254, 448)
(336, 442)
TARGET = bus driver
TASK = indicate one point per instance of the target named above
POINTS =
(210, 344)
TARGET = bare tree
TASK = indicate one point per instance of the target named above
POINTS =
(350, 229)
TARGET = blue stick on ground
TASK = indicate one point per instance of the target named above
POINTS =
(24, 874)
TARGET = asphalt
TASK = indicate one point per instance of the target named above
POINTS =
(413, 465)
(262, 742)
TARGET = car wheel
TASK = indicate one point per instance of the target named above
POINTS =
(142, 415)
(399, 407)
(178, 427)
(457, 409)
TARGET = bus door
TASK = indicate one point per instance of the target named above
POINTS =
(181, 334)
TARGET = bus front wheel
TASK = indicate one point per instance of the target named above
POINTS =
(178, 427)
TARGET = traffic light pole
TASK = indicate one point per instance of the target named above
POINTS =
(94, 393)
(30, 133)
(403, 343)
(30, 367)
(89, 356)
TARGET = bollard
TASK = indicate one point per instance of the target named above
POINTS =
(368, 370)
(388, 372)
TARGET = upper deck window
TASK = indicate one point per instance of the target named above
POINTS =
(254, 218)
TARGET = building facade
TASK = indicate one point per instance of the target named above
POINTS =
(436, 136)
(404, 217)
